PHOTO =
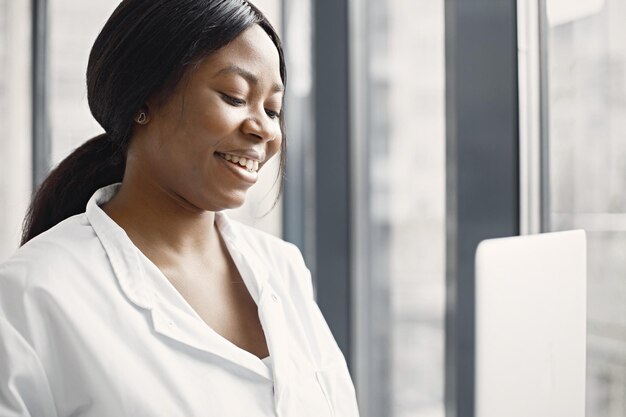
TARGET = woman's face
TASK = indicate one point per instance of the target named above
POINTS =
(206, 143)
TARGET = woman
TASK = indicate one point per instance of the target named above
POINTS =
(133, 294)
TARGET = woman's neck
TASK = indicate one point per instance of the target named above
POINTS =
(162, 223)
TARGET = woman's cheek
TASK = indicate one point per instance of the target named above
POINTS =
(223, 119)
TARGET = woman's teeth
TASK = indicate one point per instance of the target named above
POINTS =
(249, 164)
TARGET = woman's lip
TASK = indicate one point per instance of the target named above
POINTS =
(242, 155)
(240, 172)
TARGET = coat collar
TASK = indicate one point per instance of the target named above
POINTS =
(122, 253)
(128, 267)
(126, 259)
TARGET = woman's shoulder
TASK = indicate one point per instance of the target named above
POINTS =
(277, 253)
(56, 249)
(283, 258)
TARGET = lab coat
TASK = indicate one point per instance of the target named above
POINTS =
(89, 326)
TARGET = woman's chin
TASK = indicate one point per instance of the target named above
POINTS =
(231, 201)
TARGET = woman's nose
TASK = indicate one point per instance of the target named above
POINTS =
(261, 126)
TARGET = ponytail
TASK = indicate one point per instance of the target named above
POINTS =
(65, 192)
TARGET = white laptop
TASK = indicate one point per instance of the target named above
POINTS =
(531, 326)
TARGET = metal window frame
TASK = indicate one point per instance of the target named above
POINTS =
(41, 136)
(362, 334)
(371, 333)
(299, 185)
(332, 171)
(481, 131)
(533, 116)
(317, 205)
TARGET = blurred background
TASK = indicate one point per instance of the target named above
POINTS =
(416, 128)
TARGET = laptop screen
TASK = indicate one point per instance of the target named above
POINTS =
(531, 326)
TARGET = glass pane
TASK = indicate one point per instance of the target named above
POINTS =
(298, 216)
(74, 26)
(587, 157)
(15, 121)
(4, 135)
(405, 212)
(72, 31)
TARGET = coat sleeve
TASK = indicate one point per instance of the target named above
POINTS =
(24, 387)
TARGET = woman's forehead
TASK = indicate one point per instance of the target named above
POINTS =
(251, 55)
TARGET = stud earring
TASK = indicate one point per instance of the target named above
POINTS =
(142, 119)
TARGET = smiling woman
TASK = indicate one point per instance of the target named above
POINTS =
(133, 293)
(228, 103)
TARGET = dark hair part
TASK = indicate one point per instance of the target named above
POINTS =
(145, 48)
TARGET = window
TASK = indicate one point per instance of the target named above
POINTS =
(400, 142)
(73, 28)
(587, 175)
(15, 121)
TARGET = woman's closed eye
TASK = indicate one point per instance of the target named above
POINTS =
(272, 114)
(238, 102)
(233, 101)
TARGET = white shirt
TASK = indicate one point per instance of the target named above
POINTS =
(89, 326)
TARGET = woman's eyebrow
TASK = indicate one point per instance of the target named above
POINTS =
(248, 76)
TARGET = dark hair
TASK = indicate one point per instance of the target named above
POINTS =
(144, 48)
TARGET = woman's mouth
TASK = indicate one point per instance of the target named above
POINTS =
(244, 163)
(243, 168)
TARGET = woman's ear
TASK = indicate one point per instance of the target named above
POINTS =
(142, 116)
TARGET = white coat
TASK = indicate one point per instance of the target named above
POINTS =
(90, 327)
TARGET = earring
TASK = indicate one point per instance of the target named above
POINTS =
(142, 119)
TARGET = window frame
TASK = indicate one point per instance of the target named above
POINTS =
(481, 131)
(41, 127)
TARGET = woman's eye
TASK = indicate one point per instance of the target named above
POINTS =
(272, 114)
(233, 101)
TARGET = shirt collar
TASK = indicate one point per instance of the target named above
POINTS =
(252, 268)
(125, 259)
(120, 250)
(128, 267)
